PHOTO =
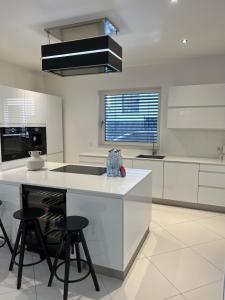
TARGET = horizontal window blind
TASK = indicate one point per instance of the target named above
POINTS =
(131, 117)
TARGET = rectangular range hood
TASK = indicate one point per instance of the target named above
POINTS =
(89, 55)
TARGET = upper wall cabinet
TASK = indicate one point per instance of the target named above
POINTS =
(197, 106)
(12, 106)
(35, 108)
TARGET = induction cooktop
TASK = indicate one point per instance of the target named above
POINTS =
(81, 170)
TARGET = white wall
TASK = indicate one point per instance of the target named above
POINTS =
(80, 95)
(19, 77)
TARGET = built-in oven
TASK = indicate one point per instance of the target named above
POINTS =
(16, 142)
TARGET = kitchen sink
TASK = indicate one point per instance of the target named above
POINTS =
(150, 156)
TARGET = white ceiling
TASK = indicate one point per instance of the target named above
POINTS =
(150, 30)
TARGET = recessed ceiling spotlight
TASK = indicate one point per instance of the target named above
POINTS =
(173, 1)
(184, 41)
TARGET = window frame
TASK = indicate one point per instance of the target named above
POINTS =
(101, 127)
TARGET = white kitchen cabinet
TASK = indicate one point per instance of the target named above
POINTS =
(157, 174)
(181, 182)
(35, 108)
(128, 163)
(54, 124)
(10, 196)
(12, 106)
(55, 157)
(197, 95)
(211, 196)
(196, 118)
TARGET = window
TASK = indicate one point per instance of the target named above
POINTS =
(130, 117)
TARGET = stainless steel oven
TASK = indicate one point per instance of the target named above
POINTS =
(16, 142)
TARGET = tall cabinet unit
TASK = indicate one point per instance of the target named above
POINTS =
(54, 124)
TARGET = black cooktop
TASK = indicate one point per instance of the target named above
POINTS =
(81, 170)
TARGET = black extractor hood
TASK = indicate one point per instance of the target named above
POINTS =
(89, 55)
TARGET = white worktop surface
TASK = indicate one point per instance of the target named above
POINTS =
(182, 159)
(113, 186)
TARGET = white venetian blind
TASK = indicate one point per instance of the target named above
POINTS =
(131, 117)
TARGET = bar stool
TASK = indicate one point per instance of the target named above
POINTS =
(28, 219)
(73, 236)
(4, 238)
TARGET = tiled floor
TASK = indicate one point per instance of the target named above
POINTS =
(183, 258)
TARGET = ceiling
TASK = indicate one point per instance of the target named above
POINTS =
(150, 30)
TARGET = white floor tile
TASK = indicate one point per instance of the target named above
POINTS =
(216, 224)
(209, 292)
(160, 241)
(143, 282)
(186, 269)
(192, 233)
(214, 252)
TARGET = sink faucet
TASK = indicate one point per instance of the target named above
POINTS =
(154, 151)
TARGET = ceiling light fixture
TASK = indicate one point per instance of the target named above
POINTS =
(184, 41)
(81, 54)
(173, 1)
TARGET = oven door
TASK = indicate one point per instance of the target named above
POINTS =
(14, 143)
(37, 139)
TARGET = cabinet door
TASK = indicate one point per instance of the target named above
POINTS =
(35, 108)
(54, 124)
(181, 182)
(12, 106)
(157, 174)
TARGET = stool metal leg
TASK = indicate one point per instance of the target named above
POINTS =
(67, 265)
(16, 246)
(78, 257)
(56, 262)
(6, 236)
(22, 249)
(42, 243)
(88, 257)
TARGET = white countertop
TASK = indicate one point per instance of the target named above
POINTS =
(114, 186)
(182, 159)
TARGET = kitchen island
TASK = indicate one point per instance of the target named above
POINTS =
(118, 209)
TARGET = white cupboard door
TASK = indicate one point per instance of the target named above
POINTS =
(12, 110)
(196, 118)
(181, 182)
(54, 124)
(197, 95)
(157, 174)
(35, 108)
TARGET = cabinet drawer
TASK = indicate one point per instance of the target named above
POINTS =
(212, 168)
(93, 160)
(212, 179)
(211, 196)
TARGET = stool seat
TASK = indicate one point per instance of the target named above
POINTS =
(73, 224)
(30, 213)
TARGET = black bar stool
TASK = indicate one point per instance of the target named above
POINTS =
(4, 238)
(73, 236)
(28, 219)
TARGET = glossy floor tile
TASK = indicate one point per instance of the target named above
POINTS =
(182, 259)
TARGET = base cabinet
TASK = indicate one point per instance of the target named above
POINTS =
(181, 182)
(157, 175)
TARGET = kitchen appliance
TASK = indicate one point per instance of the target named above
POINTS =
(16, 142)
(84, 48)
(53, 202)
(81, 170)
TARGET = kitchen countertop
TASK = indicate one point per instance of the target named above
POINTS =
(116, 187)
(169, 158)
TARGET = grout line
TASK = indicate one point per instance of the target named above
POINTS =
(200, 287)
